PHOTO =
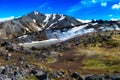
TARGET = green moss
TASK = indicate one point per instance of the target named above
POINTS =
(93, 63)
(31, 78)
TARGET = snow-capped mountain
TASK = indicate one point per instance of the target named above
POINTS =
(53, 20)
(36, 21)
(37, 26)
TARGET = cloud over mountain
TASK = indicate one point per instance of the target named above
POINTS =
(6, 19)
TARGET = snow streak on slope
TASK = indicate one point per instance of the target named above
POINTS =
(57, 36)
(38, 28)
(61, 18)
(68, 34)
(39, 44)
(114, 27)
(47, 18)
(77, 31)
(54, 16)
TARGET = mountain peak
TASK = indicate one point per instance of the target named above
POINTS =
(36, 12)
(36, 21)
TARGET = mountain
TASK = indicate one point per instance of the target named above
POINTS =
(37, 26)
(36, 21)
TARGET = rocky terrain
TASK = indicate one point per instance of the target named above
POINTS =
(36, 22)
(41, 46)
(87, 57)
(48, 26)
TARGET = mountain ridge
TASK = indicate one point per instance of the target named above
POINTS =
(54, 26)
(35, 22)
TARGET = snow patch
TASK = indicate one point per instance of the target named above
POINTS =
(101, 28)
(43, 43)
(24, 36)
(94, 24)
(27, 29)
(54, 16)
(84, 21)
(72, 24)
(34, 20)
(116, 27)
(78, 28)
(52, 24)
(38, 28)
(47, 18)
(61, 18)
(36, 13)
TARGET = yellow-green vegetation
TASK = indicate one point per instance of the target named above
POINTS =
(31, 78)
(114, 41)
(102, 54)
(94, 63)
(97, 53)
(102, 60)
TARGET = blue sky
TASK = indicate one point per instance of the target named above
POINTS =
(83, 9)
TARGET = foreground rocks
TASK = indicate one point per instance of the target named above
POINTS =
(13, 72)
(24, 68)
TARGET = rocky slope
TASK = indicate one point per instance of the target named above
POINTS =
(35, 22)
(37, 26)
(94, 53)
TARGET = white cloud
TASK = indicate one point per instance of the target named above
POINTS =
(6, 19)
(104, 4)
(116, 6)
(86, 4)
(43, 5)
(80, 5)
(113, 19)
(83, 2)
(110, 15)
(74, 8)
(93, 1)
